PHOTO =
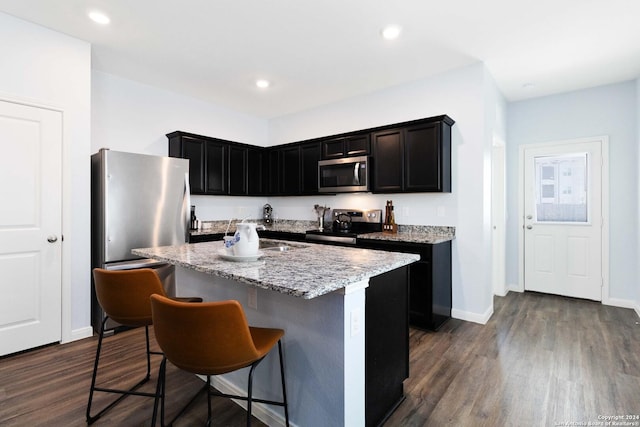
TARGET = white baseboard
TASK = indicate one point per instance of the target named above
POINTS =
(468, 316)
(514, 288)
(81, 333)
(624, 303)
(261, 411)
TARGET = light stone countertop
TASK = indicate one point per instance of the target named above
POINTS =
(307, 270)
(423, 234)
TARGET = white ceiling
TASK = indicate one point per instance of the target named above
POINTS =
(318, 52)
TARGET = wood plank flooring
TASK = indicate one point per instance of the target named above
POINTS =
(541, 360)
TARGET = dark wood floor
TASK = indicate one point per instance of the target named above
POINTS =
(541, 360)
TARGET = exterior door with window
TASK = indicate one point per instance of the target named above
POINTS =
(563, 219)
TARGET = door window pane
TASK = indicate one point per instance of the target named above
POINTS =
(561, 188)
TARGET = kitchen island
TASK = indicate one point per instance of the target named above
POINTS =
(327, 299)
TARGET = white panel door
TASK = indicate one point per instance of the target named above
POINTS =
(30, 226)
(563, 219)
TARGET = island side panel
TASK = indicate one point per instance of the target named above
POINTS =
(324, 363)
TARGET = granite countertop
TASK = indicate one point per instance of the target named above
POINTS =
(285, 226)
(424, 234)
(307, 270)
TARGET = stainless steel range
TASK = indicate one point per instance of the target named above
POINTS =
(346, 225)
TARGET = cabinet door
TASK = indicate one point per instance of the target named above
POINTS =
(386, 343)
(420, 293)
(238, 171)
(191, 149)
(422, 157)
(357, 145)
(333, 148)
(310, 156)
(290, 163)
(274, 172)
(388, 161)
(256, 172)
(216, 167)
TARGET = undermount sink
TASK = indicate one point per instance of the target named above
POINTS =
(277, 246)
(283, 248)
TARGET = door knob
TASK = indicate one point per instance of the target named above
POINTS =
(529, 227)
(529, 217)
(52, 239)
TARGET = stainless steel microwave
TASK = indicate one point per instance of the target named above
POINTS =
(344, 175)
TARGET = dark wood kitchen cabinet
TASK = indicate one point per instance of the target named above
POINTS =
(386, 344)
(346, 146)
(192, 149)
(208, 159)
(220, 167)
(238, 170)
(293, 169)
(257, 173)
(290, 170)
(415, 157)
(429, 280)
(215, 165)
(309, 157)
(388, 164)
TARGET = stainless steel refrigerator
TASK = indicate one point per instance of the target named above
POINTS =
(137, 201)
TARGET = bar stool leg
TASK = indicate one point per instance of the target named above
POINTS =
(284, 388)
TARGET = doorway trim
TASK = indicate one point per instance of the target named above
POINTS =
(604, 143)
(66, 333)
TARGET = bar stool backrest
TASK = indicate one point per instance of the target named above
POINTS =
(209, 338)
(124, 294)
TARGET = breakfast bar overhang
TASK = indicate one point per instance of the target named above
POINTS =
(319, 295)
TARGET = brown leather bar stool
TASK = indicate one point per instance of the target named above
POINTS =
(124, 297)
(212, 338)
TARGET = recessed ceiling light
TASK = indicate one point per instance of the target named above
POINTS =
(99, 17)
(262, 84)
(391, 32)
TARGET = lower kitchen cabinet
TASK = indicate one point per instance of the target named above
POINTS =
(386, 344)
(199, 238)
(429, 280)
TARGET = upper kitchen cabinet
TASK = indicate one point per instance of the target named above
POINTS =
(309, 157)
(293, 169)
(413, 157)
(346, 146)
(257, 172)
(388, 164)
(238, 170)
(216, 166)
(190, 148)
(290, 169)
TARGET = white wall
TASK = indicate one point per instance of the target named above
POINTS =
(637, 302)
(129, 116)
(607, 110)
(464, 95)
(48, 68)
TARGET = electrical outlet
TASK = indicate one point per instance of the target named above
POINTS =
(252, 298)
(356, 321)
